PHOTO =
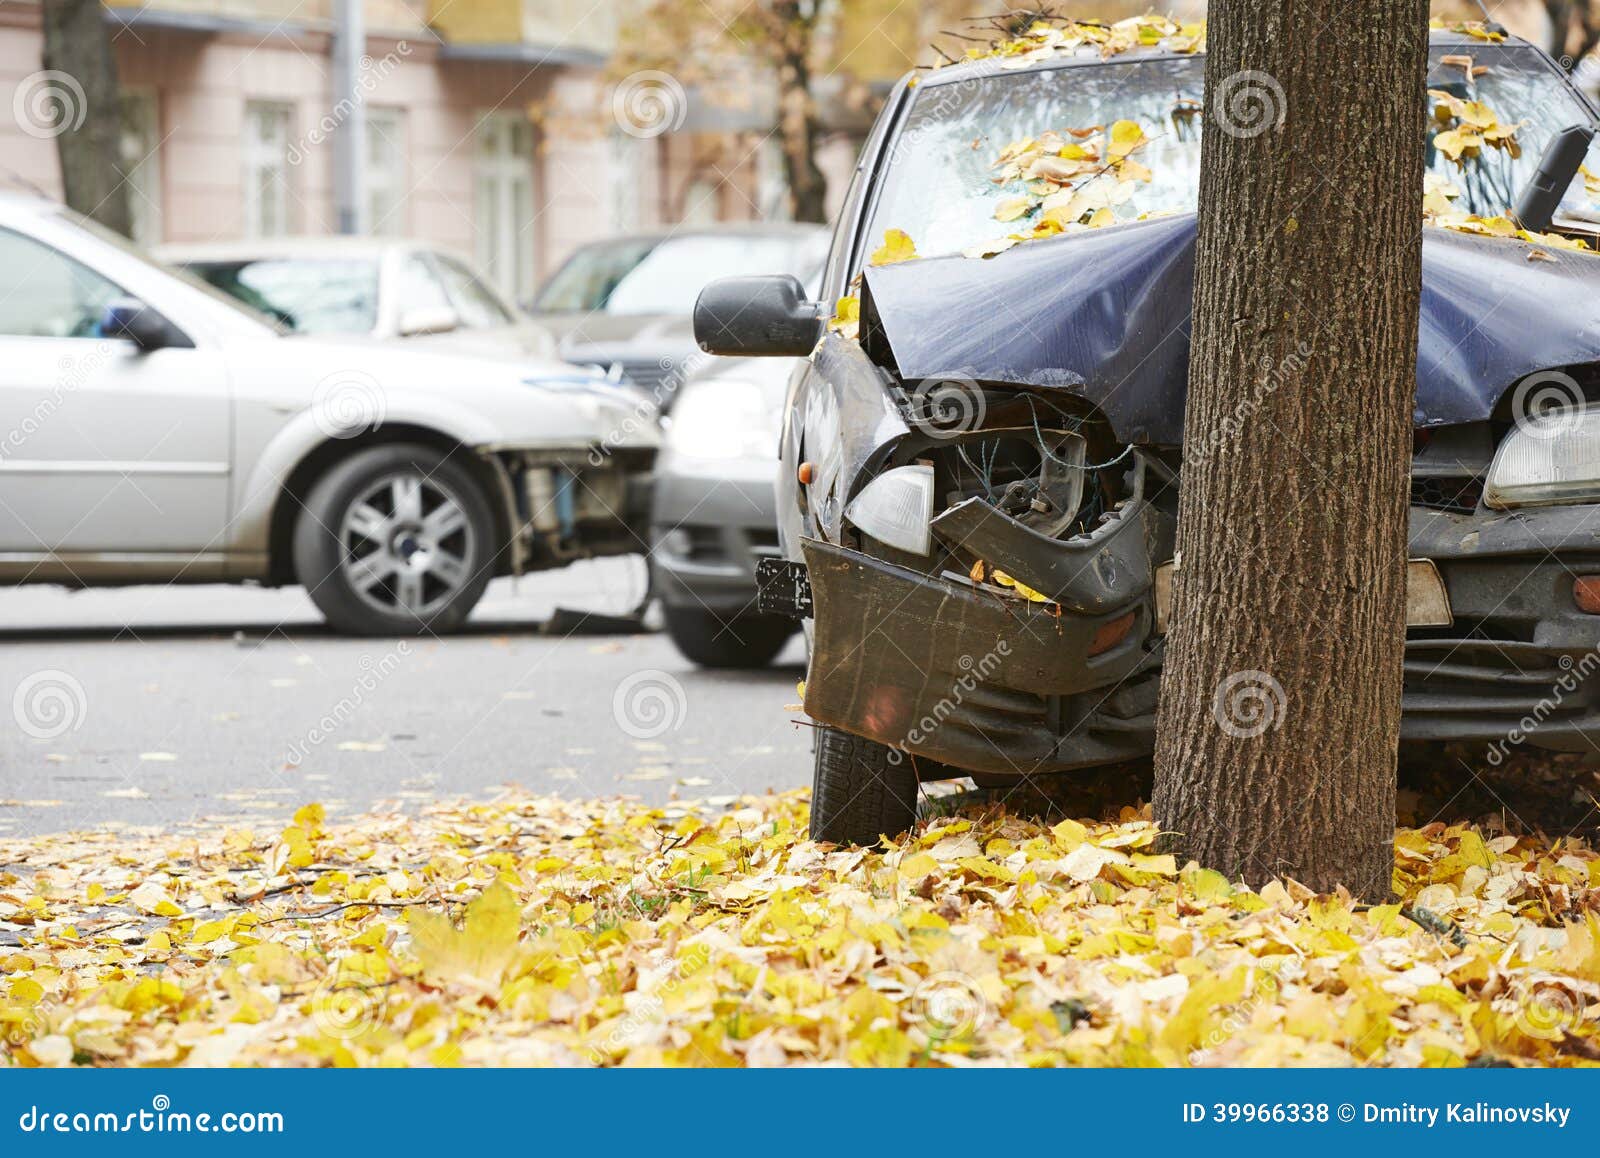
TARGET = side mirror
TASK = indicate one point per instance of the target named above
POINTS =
(131, 319)
(432, 320)
(757, 317)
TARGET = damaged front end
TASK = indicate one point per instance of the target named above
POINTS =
(987, 540)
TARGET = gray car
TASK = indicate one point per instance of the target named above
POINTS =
(623, 304)
(714, 514)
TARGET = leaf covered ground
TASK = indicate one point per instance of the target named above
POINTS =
(534, 930)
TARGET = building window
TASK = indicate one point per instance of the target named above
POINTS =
(141, 162)
(266, 168)
(386, 171)
(503, 203)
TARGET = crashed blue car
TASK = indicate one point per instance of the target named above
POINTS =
(982, 452)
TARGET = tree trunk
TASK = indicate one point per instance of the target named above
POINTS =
(77, 44)
(1280, 699)
(798, 126)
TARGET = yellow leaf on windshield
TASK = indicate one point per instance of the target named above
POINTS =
(897, 246)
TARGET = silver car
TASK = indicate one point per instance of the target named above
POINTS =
(154, 430)
(372, 286)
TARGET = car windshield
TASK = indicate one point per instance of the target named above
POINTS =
(666, 276)
(309, 295)
(944, 182)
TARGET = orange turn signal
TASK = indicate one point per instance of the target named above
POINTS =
(1586, 593)
(1111, 634)
(807, 473)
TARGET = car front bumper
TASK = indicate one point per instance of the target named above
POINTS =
(951, 672)
(707, 534)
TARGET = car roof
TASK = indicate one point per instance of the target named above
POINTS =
(1090, 55)
(335, 246)
(799, 230)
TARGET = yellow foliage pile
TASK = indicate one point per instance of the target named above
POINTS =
(540, 931)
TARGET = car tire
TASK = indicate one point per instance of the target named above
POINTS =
(395, 540)
(859, 793)
(746, 641)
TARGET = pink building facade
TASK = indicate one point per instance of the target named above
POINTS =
(512, 152)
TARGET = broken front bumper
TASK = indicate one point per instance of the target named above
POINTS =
(950, 671)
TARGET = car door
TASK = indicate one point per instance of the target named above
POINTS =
(104, 448)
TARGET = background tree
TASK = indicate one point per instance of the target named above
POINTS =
(1574, 30)
(77, 43)
(1280, 701)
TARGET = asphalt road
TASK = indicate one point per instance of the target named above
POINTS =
(171, 706)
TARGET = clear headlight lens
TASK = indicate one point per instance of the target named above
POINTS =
(1549, 460)
(896, 507)
(720, 418)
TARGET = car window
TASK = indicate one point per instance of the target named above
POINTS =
(939, 175)
(475, 303)
(586, 280)
(309, 295)
(671, 276)
(416, 287)
(46, 294)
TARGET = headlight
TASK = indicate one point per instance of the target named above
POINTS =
(896, 507)
(1551, 460)
(721, 418)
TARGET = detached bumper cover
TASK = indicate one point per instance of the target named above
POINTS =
(954, 673)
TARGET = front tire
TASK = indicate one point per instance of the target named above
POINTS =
(859, 793)
(395, 540)
(747, 641)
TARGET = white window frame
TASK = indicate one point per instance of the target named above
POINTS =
(503, 203)
(272, 215)
(388, 168)
(139, 147)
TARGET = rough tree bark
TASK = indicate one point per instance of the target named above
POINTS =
(794, 25)
(1280, 700)
(77, 42)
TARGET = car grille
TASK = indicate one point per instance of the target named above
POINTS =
(657, 376)
(1458, 493)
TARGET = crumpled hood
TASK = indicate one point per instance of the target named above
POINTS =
(1105, 315)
